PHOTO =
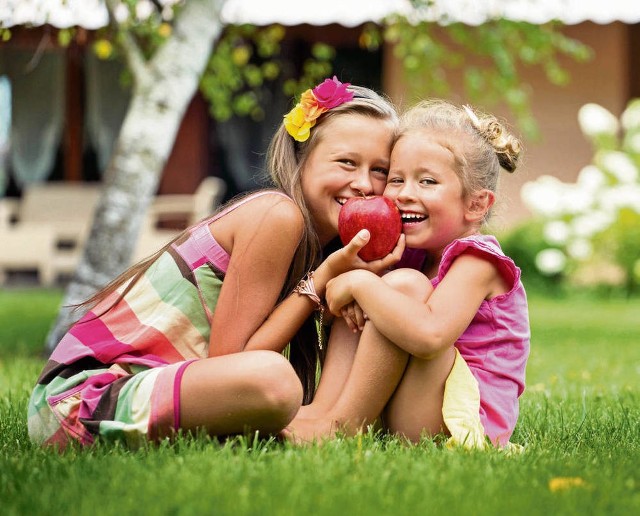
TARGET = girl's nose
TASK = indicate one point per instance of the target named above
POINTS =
(406, 193)
(362, 183)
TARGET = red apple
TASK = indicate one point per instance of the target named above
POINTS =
(377, 214)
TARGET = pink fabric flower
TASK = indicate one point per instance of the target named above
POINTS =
(332, 93)
(329, 94)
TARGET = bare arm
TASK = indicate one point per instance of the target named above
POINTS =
(288, 316)
(423, 330)
(263, 236)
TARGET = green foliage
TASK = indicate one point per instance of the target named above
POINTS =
(595, 221)
(246, 57)
(490, 57)
(148, 33)
(66, 36)
(621, 244)
(522, 244)
(579, 424)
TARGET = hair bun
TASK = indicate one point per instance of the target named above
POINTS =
(506, 146)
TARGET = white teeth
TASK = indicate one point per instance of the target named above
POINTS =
(341, 200)
(412, 217)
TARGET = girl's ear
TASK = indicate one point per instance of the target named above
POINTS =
(479, 204)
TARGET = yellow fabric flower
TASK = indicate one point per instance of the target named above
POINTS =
(313, 103)
(297, 125)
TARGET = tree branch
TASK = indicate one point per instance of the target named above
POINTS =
(193, 15)
(132, 52)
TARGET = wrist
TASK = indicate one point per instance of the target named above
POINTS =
(321, 276)
(306, 287)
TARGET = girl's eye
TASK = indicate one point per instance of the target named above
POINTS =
(346, 161)
(428, 181)
(380, 171)
(394, 180)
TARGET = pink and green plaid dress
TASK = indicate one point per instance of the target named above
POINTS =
(116, 374)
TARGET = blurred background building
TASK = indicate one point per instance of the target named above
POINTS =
(61, 107)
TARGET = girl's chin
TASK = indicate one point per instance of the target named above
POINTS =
(413, 228)
(413, 239)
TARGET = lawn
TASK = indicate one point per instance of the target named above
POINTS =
(579, 425)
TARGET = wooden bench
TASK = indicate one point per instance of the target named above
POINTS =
(47, 229)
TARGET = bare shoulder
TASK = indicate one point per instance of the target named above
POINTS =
(273, 212)
(276, 208)
(271, 215)
(481, 271)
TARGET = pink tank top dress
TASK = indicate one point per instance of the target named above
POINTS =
(495, 346)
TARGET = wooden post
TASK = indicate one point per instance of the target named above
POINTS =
(634, 62)
(74, 113)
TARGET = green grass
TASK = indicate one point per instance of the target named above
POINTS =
(580, 419)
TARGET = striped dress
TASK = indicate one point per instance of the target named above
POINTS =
(116, 374)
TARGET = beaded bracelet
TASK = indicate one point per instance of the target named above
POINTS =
(306, 287)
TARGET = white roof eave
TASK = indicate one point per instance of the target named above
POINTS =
(92, 14)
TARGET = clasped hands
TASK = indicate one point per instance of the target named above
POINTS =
(339, 291)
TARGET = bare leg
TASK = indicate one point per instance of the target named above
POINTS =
(416, 406)
(341, 350)
(249, 391)
(377, 370)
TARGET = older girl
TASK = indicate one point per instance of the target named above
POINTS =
(191, 337)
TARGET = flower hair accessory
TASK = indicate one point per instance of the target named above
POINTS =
(327, 95)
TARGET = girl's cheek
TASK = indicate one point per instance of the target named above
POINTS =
(378, 186)
(388, 192)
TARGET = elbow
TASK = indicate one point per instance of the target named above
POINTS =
(431, 344)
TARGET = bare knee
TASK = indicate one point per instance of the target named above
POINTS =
(410, 282)
(277, 386)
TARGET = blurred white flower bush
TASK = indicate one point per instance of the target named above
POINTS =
(592, 226)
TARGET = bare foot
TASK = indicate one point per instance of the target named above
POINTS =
(303, 431)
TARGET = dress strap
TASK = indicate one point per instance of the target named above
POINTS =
(241, 202)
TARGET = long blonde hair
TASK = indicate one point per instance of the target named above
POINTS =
(286, 158)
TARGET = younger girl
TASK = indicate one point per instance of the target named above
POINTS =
(443, 348)
(160, 348)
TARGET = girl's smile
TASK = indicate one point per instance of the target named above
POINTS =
(410, 218)
(424, 183)
(351, 159)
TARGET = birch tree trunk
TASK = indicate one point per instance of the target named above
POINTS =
(163, 88)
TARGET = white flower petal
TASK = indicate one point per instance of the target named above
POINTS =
(144, 9)
(121, 13)
(591, 223)
(580, 249)
(620, 196)
(544, 196)
(557, 232)
(595, 120)
(591, 178)
(631, 116)
(551, 261)
(632, 142)
(620, 165)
